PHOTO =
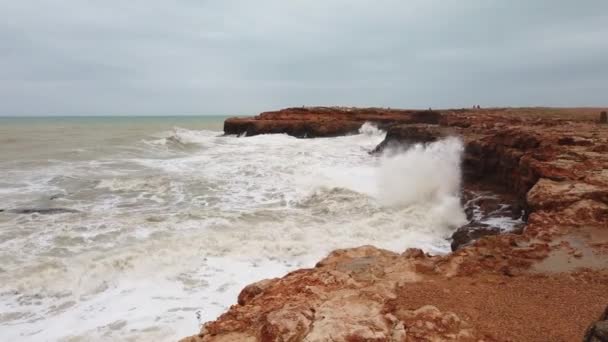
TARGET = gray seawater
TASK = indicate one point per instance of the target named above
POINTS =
(156, 223)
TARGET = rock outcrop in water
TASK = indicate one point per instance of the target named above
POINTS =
(547, 283)
(311, 122)
(43, 211)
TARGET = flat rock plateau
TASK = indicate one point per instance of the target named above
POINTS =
(546, 282)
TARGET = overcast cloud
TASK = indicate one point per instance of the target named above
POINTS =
(152, 57)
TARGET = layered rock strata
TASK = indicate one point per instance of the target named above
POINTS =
(323, 121)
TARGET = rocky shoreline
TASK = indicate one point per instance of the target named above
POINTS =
(546, 281)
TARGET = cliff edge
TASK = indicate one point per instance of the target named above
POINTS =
(549, 282)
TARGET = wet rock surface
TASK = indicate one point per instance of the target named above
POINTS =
(466, 234)
(402, 135)
(548, 283)
(490, 212)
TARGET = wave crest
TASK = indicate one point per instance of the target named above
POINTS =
(182, 138)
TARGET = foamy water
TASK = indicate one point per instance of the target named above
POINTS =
(172, 224)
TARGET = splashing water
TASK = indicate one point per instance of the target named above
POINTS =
(171, 226)
(425, 174)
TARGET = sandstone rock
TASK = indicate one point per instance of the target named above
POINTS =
(428, 323)
(558, 195)
(363, 320)
(502, 159)
(414, 253)
(471, 232)
(252, 290)
(296, 128)
(291, 323)
(310, 122)
(402, 135)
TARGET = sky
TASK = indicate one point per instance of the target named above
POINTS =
(241, 57)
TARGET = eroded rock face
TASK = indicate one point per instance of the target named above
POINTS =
(311, 122)
(400, 135)
(549, 194)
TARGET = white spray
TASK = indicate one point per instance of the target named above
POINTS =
(168, 236)
(424, 174)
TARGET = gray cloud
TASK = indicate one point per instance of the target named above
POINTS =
(153, 57)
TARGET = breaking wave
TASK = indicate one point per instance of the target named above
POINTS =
(182, 138)
(168, 231)
(425, 173)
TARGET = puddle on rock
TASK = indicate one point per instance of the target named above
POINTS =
(580, 255)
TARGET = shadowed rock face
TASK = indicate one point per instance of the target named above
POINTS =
(598, 331)
(401, 135)
(545, 284)
(470, 232)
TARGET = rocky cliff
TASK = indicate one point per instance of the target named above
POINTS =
(323, 121)
(547, 283)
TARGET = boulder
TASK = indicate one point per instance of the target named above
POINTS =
(253, 290)
(598, 331)
(465, 235)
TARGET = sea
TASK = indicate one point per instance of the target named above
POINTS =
(143, 228)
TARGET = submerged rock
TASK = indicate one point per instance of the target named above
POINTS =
(44, 211)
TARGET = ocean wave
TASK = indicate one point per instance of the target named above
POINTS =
(196, 214)
(370, 129)
(183, 139)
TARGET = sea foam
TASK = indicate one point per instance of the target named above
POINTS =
(166, 237)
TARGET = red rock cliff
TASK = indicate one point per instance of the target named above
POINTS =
(323, 121)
